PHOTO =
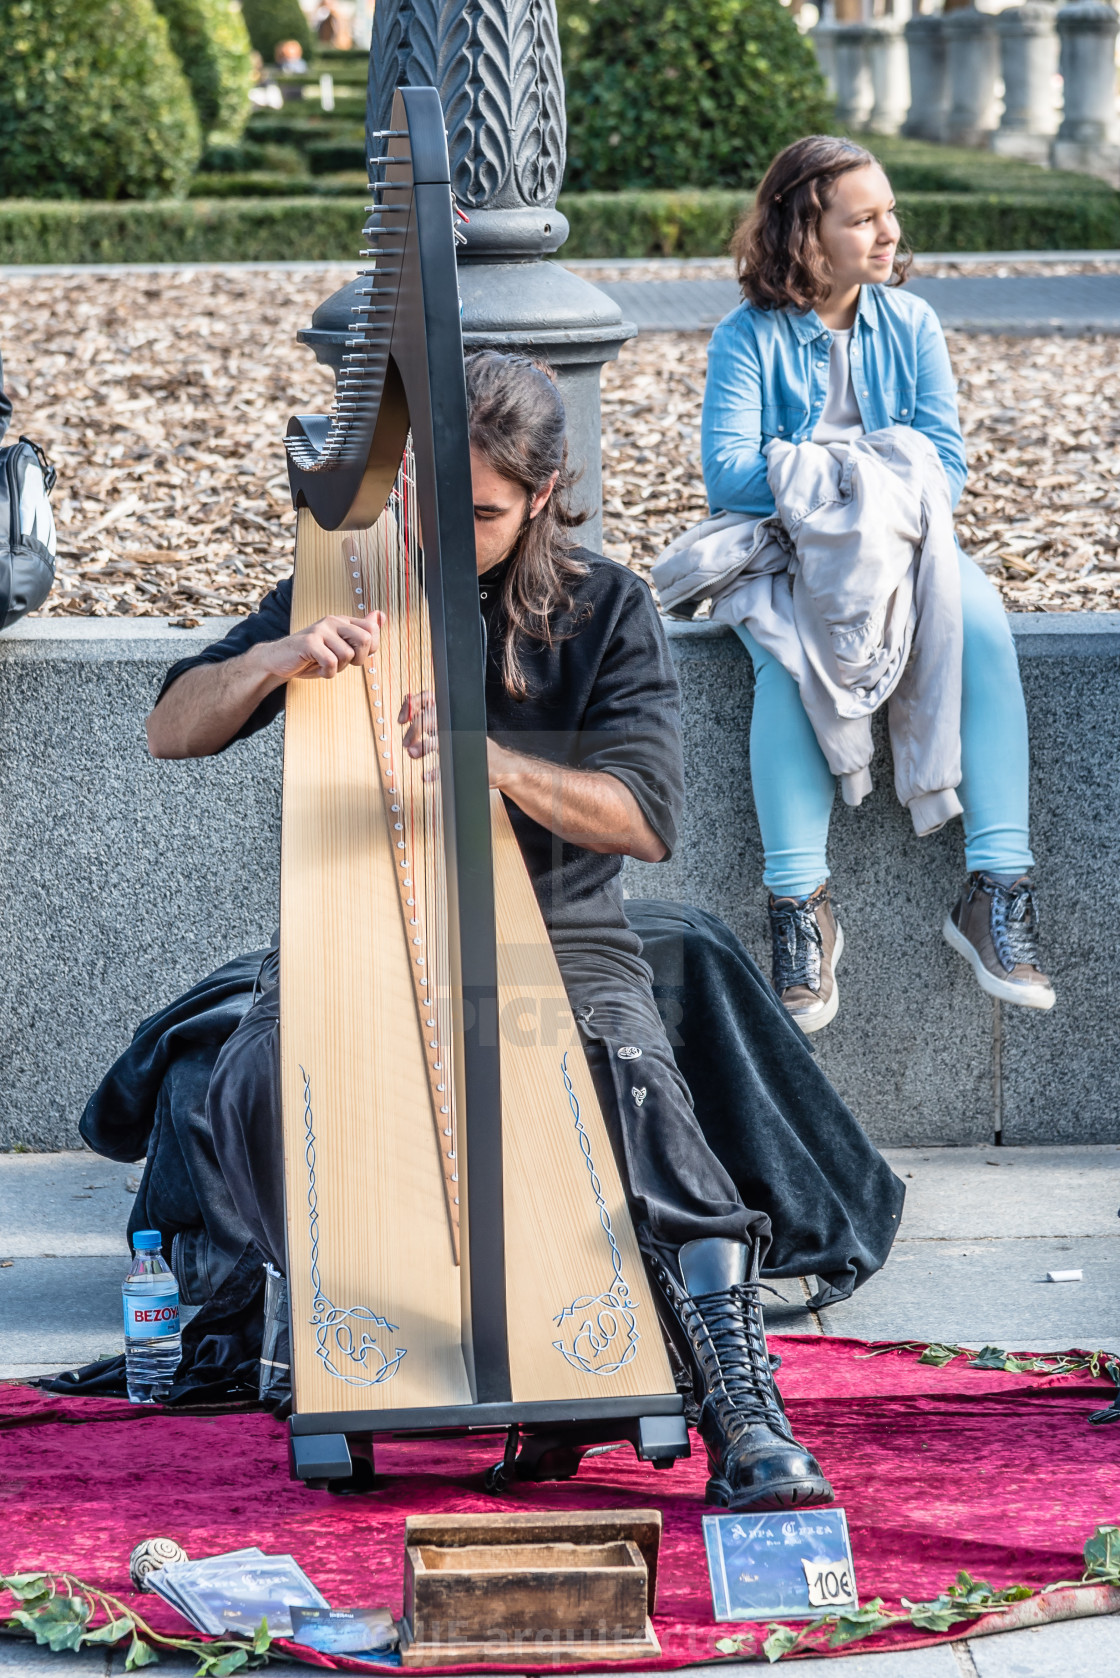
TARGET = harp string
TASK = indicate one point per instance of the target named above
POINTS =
(386, 567)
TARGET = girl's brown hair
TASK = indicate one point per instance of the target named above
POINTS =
(777, 247)
(518, 425)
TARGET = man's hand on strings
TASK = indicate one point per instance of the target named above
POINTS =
(323, 649)
(203, 711)
(418, 719)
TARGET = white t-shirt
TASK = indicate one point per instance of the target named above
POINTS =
(840, 420)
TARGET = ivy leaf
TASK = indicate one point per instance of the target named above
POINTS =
(938, 1615)
(854, 1624)
(262, 1637)
(140, 1654)
(780, 1641)
(59, 1622)
(230, 1663)
(1102, 1556)
(27, 1587)
(113, 1631)
(990, 1357)
(940, 1355)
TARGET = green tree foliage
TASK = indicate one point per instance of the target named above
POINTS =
(270, 21)
(684, 93)
(211, 42)
(93, 103)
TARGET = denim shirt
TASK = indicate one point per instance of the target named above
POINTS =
(768, 377)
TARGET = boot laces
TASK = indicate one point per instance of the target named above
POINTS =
(1013, 921)
(796, 945)
(744, 1381)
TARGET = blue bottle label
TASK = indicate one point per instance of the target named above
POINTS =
(149, 1316)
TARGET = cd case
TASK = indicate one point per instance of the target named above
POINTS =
(345, 1631)
(789, 1566)
(236, 1591)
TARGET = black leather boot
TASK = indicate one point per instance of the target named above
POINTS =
(712, 1310)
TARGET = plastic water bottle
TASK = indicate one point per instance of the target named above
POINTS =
(153, 1344)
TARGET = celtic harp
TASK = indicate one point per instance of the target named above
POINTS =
(459, 1248)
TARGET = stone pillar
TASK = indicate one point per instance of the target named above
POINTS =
(890, 75)
(972, 57)
(1028, 52)
(496, 66)
(1089, 136)
(823, 37)
(855, 96)
(929, 77)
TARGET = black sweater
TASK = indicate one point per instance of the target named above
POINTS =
(603, 696)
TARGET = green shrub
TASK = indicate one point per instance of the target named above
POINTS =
(327, 157)
(919, 166)
(241, 157)
(261, 184)
(93, 103)
(990, 221)
(682, 94)
(299, 130)
(211, 42)
(270, 21)
(628, 224)
(326, 224)
(232, 230)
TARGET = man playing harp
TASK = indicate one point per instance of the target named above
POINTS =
(584, 744)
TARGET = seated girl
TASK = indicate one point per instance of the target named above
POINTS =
(824, 348)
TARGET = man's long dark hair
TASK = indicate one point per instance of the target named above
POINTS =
(518, 426)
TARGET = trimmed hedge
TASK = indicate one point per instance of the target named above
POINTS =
(322, 226)
(93, 103)
(259, 184)
(201, 230)
(628, 224)
(918, 166)
(666, 92)
(211, 42)
(327, 157)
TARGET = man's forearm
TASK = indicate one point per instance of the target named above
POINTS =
(203, 710)
(586, 807)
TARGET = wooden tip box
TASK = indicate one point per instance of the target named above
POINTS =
(533, 1588)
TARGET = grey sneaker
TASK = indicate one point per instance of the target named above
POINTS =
(995, 928)
(806, 942)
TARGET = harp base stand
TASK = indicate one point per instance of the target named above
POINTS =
(556, 1453)
(344, 1463)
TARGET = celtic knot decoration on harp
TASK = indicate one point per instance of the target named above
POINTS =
(335, 1325)
(601, 1322)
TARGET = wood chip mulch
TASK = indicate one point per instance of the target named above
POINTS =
(162, 399)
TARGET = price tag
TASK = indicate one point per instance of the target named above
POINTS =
(793, 1565)
(830, 1584)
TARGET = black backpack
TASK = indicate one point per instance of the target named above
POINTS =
(27, 535)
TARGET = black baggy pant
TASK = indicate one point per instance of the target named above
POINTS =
(676, 1186)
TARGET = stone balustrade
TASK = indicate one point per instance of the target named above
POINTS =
(937, 75)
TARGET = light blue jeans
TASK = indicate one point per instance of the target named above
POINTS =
(793, 786)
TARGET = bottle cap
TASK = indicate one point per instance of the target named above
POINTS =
(147, 1241)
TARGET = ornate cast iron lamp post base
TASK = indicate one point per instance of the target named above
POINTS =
(496, 64)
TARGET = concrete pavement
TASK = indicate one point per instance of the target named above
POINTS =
(982, 1226)
(1026, 305)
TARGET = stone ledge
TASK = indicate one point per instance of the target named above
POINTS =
(123, 880)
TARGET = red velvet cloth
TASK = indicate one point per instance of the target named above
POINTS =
(938, 1469)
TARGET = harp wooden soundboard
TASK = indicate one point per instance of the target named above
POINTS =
(460, 1252)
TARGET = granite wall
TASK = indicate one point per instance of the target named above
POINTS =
(123, 880)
